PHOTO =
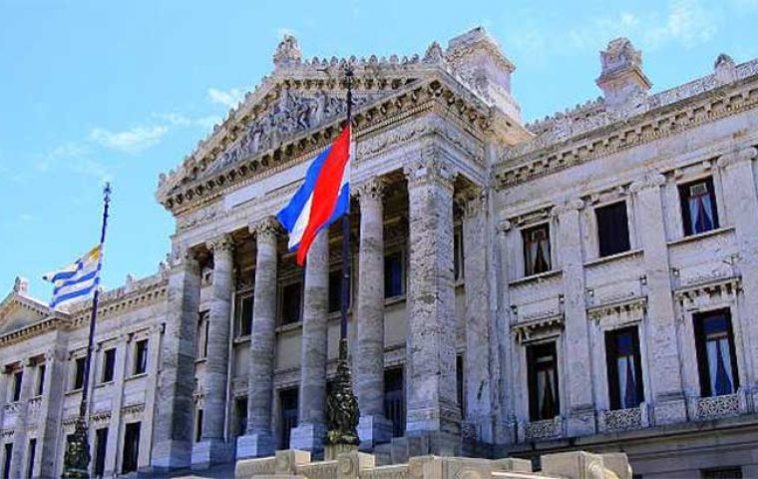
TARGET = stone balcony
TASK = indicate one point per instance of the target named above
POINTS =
(619, 420)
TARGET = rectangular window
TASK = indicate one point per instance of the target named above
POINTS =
(335, 290)
(131, 448)
(140, 356)
(699, 212)
(245, 315)
(8, 454)
(109, 363)
(240, 407)
(536, 250)
(198, 425)
(41, 369)
(292, 296)
(288, 402)
(543, 381)
(716, 357)
(612, 229)
(18, 377)
(723, 473)
(101, 446)
(458, 269)
(79, 373)
(394, 400)
(394, 280)
(460, 385)
(31, 453)
(622, 349)
(202, 334)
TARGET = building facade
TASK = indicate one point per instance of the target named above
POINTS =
(587, 281)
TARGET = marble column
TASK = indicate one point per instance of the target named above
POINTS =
(212, 448)
(373, 427)
(309, 434)
(259, 439)
(579, 401)
(20, 444)
(741, 201)
(112, 456)
(669, 405)
(172, 446)
(476, 360)
(432, 397)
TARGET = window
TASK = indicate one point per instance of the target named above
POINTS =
(202, 335)
(335, 290)
(240, 407)
(394, 277)
(543, 381)
(198, 425)
(101, 446)
(18, 377)
(292, 295)
(288, 406)
(245, 315)
(716, 358)
(31, 452)
(131, 447)
(140, 356)
(612, 229)
(8, 453)
(536, 250)
(723, 473)
(40, 379)
(622, 349)
(79, 373)
(460, 385)
(394, 400)
(458, 269)
(698, 207)
(109, 362)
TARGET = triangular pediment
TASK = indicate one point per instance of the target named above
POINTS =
(18, 310)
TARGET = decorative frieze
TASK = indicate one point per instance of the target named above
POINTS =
(624, 419)
(527, 330)
(725, 289)
(718, 406)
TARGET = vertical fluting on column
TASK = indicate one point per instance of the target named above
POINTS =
(309, 435)
(579, 400)
(373, 427)
(175, 408)
(258, 440)
(665, 372)
(432, 398)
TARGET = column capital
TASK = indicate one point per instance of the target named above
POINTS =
(266, 228)
(372, 188)
(470, 200)
(648, 180)
(737, 156)
(504, 227)
(572, 204)
(429, 169)
(223, 242)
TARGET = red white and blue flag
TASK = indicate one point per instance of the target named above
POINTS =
(323, 197)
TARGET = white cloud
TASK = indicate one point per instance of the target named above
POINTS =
(229, 98)
(687, 23)
(25, 217)
(129, 141)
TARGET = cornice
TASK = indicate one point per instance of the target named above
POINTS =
(123, 301)
(656, 123)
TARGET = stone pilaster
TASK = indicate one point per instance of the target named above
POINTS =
(741, 201)
(505, 431)
(212, 448)
(49, 425)
(153, 357)
(18, 457)
(477, 363)
(112, 456)
(258, 440)
(373, 427)
(663, 354)
(309, 435)
(432, 397)
(172, 446)
(579, 401)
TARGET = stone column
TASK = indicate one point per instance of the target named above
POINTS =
(309, 434)
(259, 439)
(579, 401)
(477, 364)
(432, 397)
(741, 201)
(51, 409)
(151, 395)
(663, 354)
(18, 458)
(112, 456)
(212, 448)
(506, 429)
(373, 427)
(172, 446)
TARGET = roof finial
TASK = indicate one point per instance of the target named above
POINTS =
(21, 285)
(288, 52)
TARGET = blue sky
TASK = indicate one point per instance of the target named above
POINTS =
(93, 90)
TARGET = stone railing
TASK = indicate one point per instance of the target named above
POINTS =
(720, 406)
(624, 419)
(545, 429)
(356, 465)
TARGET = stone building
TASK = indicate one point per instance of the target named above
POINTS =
(582, 282)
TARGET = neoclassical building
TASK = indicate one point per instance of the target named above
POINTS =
(587, 281)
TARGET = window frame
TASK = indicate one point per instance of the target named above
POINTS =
(239, 330)
(532, 370)
(76, 384)
(331, 308)
(528, 270)
(395, 397)
(704, 378)
(106, 352)
(687, 226)
(100, 442)
(124, 463)
(459, 268)
(611, 361)
(39, 387)
(137, 367)
(297, 280)
(603, 250)
(292, 392)
(403, 286)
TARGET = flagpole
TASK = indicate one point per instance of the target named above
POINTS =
(77, 458)
(342, 406)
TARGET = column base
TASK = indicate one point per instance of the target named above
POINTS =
(172, 454)
(445, 419)
(581, 422)
(373, 430)
(308, 437)
(255, 445)
(211, 451)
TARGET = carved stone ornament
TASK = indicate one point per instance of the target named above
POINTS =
(431, 168)
(574, 204)
(434, 54)
(470, 200)
(223, 242)
(288, 52)
(745, 154)
(373, 188)
(649, 180)
(266, 229)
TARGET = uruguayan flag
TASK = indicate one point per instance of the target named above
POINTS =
(76, 280)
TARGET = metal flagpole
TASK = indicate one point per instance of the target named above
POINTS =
(77, 458)
(342, 406)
